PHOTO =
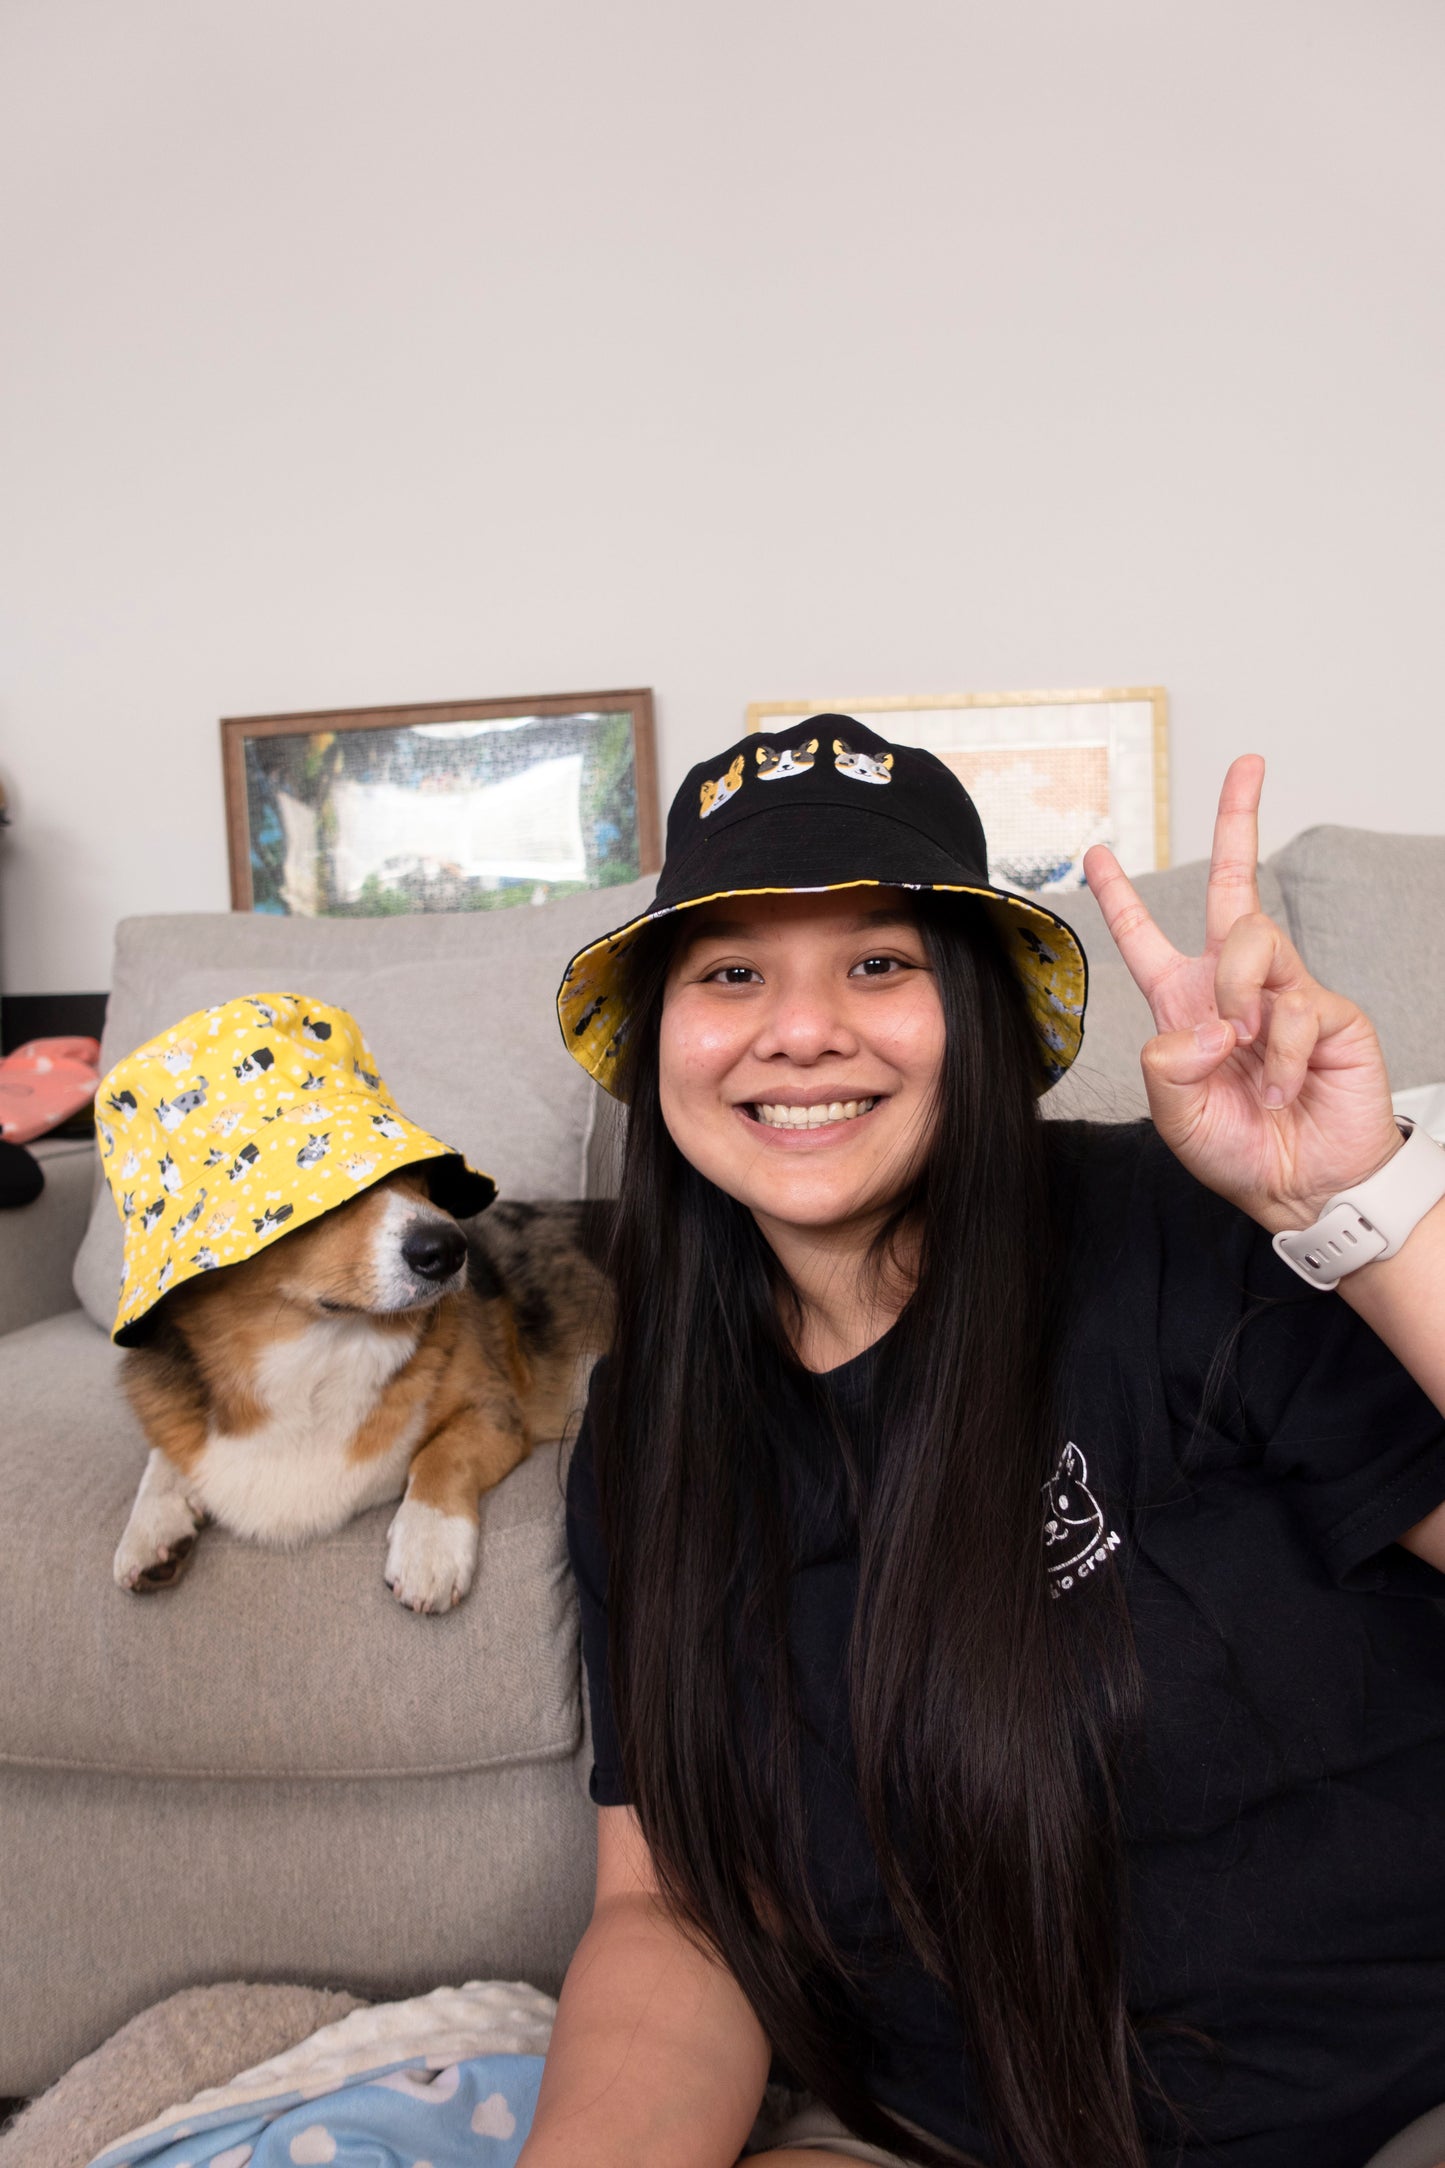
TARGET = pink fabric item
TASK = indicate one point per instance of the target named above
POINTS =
(44, 1082)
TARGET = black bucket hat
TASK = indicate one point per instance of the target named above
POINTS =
(826, 804)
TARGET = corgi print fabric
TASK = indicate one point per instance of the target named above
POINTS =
(274, 1100)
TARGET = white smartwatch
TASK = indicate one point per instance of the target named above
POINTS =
(1371, 1219)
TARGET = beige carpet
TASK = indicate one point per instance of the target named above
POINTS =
(200, 2037)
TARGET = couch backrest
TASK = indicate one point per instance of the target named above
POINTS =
(1367, 914)
(458, 1008)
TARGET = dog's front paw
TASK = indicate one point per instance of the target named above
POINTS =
(430, 1556)
(156, 1547)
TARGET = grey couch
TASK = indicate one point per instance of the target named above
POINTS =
(272, 1771)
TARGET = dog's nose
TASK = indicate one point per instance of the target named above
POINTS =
(433, 1249)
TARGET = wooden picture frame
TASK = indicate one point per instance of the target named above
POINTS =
(1050, 772)
(461, 805)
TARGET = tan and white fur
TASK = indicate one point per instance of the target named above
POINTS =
(382, 1351)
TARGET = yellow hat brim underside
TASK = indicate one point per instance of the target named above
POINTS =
(1055, 975)
(214, 1224)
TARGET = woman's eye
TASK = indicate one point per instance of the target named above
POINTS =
(878, 967)
(732, 975)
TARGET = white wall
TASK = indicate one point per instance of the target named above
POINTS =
(360, 352)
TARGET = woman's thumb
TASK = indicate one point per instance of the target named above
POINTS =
(1177, 1065)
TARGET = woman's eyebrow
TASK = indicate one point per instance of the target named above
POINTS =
(735, 929)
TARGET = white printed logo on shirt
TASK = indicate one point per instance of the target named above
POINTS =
(1075, 1540)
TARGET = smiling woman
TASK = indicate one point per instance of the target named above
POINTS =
(1006, 1697)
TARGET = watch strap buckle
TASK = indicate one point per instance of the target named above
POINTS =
(1337, 1243)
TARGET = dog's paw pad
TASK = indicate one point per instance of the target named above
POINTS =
(142, 1568)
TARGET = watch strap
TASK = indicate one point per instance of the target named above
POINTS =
(1372, 1218)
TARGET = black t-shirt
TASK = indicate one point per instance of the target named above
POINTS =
(1285, 1817)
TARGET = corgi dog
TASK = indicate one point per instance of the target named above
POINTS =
(381, 1351)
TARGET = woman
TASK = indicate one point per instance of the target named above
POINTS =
(1010, 1729)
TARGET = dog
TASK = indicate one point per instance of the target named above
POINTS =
(384, 1350)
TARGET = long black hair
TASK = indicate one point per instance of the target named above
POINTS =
(986, 1720)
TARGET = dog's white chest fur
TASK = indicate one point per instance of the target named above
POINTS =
(293, 1477)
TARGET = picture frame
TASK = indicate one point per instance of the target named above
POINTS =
(1050, 772)
(444, 806)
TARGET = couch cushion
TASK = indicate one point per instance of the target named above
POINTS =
(1105, 1082)
(1367, 914)
(458, 1008)
(257, 1663)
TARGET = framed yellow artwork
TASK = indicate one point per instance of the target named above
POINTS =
(1050, 772)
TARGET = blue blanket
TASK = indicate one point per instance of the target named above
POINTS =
(473, 2114)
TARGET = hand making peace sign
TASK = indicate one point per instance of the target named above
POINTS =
(1281, 1031)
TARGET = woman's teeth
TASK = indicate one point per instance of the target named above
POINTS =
(835, 1110)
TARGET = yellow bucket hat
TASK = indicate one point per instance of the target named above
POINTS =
(241, 1123)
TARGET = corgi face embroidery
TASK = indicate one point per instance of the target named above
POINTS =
(717, 792)
(775, 762)
(862, 767)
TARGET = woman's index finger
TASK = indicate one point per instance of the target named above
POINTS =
(1149, 953)
(1234, 860)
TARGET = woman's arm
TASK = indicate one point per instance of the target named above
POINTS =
(657, 2060)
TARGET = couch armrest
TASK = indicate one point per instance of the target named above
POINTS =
(38, 1241)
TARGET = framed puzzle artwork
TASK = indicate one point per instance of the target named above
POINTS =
(1050, 772)
(466, 805)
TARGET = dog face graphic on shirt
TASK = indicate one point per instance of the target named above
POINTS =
(1075, 1539)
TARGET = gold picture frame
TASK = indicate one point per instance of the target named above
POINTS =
(1050, 772)
(444, 806)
